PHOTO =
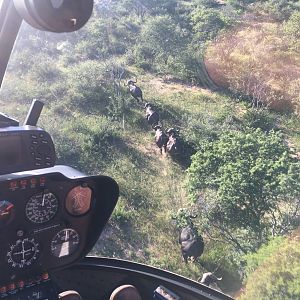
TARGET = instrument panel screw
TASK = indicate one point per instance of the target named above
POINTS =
(20, 233)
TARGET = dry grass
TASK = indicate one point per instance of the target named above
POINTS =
(256, 60)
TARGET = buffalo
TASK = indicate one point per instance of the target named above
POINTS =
(151, 115)
(172, 145)
(210, 280)
(192, 244)
(135, 91)
(161, 138)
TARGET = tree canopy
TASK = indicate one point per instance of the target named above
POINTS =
(246, 181)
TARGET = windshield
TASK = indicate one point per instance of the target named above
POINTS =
(193, 108)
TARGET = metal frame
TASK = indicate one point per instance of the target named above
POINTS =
(10, 22)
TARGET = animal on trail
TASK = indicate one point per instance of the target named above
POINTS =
(192, 244)
(135, 91)
(172, 144)
(161, 138)
(151, 115)
(210, 280)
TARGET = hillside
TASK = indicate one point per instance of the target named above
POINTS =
(236, 176)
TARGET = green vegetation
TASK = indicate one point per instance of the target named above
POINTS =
(247, 187)
(238, 171)
(277, 273)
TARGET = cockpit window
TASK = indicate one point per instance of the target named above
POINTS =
(193, 108)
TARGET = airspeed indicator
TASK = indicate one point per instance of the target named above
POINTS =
(41, 207)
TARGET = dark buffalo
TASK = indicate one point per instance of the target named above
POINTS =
(161, 138)
(192, 244)
(172, 145)
(152, 116)
(135, 91)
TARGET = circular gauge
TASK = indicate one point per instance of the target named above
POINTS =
(41, 207)
(23, 253)
(65, 242)
(57, 3)
(78, 201)
(7, 213)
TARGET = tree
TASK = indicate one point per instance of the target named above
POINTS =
(160, 40)
(247, 187)
(207, 22)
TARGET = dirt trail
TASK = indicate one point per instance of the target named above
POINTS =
(168, 86)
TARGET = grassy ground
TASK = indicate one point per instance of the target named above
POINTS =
(152, 186)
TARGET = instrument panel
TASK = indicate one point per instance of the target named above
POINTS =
(49, 218)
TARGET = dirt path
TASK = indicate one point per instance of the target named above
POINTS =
(164, 87)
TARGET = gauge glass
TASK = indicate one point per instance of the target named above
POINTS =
(7, 213)
(41, 207)
(57, 3)
(22, 253)
(65, 243)
(78, 201)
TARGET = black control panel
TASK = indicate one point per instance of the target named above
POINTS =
(39, 287)
(49, 218)
(25, 148)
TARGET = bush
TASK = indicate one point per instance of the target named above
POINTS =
(277, 277)
(86, 142)
(258, 118)
(246, 186)
(255, 260)
(87, 87)
(278, 9)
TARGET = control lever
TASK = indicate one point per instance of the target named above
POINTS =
(34, 112)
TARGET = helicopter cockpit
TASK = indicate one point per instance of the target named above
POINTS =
(52, 215)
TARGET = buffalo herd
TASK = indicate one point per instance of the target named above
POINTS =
(166, 141)
(191, 243)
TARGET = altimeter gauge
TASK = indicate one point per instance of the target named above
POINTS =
(41, 207)
(65, 242)
(23, 253)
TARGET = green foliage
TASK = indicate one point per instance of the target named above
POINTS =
(88, 143)
(223, 260)
(121, 214)
(243, 182)
(207, 22)
(292, 25)
(79, 75)
(259, 118)
(278, 9)
(292, 30)
(86, 86)
(183, 218)
(161, 40)
(278, 276)
(202, 127)
(255, 260)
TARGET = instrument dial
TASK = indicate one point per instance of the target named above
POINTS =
(23, 253)
(78, 201)
(41, 207)
(7, 213)
(65, 242)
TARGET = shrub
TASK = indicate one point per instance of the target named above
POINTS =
(246, 186)
(258, 118)
(278, 276)
(255, 260)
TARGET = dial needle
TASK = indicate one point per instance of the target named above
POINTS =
(67, 236)
(43, 202)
